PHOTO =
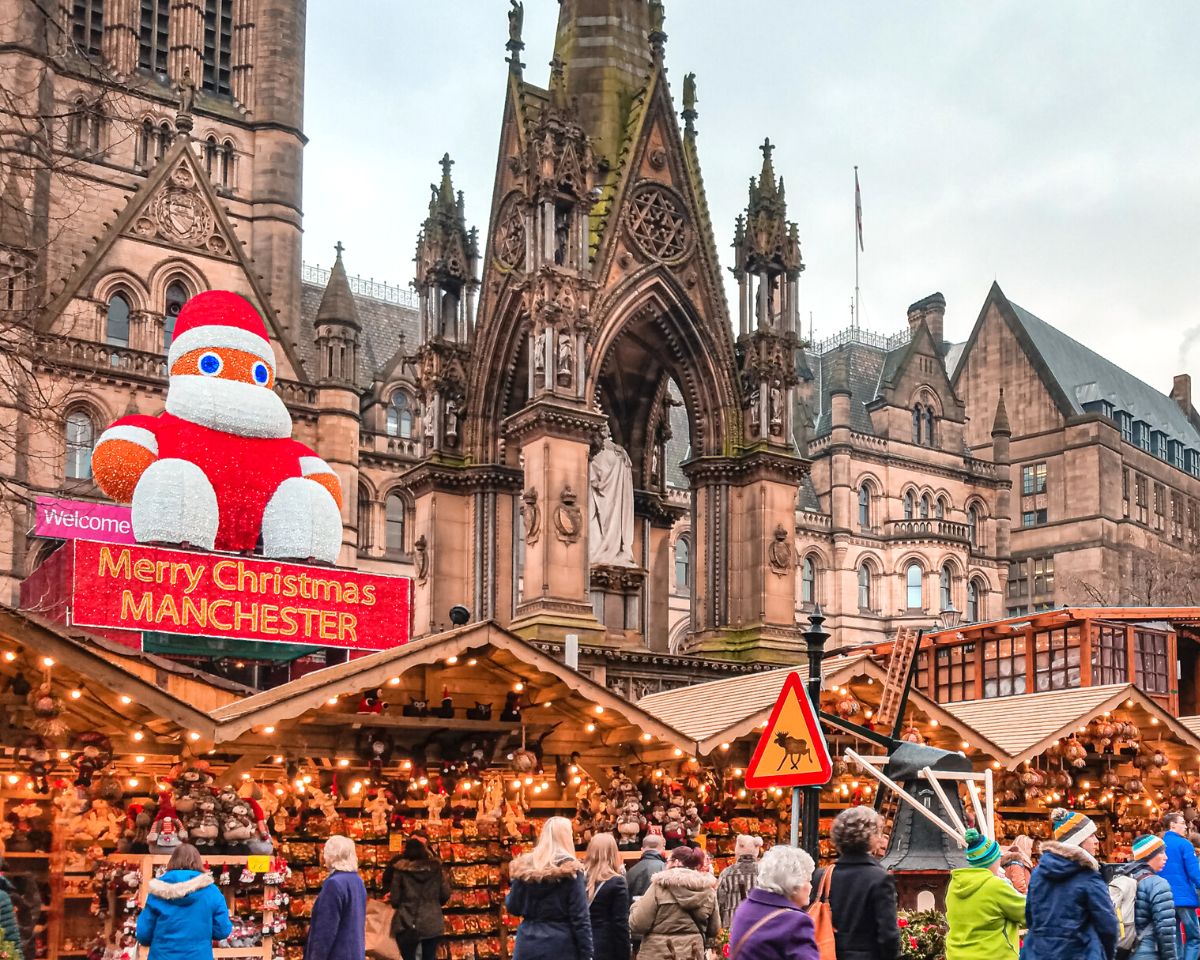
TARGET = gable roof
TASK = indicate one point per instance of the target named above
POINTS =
(1084, 376)
(181, 152)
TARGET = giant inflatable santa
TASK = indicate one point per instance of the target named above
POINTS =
(219, 468)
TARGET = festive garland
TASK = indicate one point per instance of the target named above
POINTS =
(922, 934)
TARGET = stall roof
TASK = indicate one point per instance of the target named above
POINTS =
(1026, 724)
(156, 687)
(1192, 723)
(1053, 618)
(723, 710)
(493, 644)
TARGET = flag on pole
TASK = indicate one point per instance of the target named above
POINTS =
(858, 209)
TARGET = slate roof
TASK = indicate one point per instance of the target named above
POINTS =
(1085, 377)
(385, 327)
(865, 364)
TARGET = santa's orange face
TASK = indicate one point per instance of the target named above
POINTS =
(225, 363)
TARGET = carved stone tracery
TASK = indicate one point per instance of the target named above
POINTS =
(658, 225)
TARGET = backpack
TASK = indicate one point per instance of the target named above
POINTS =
(1123, 891)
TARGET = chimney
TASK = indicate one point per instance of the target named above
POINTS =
(933, 311)
(1181, 392)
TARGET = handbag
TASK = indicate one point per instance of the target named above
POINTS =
(380, 943)
(824, 931)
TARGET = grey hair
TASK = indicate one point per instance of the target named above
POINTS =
(340, 854)
(652, 841)
(853, 829)
(784, 870)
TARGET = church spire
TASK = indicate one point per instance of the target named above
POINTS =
(607, 48)
(447, 264)
(337, 328)
(337, 302)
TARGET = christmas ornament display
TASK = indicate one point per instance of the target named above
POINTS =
(218, 468)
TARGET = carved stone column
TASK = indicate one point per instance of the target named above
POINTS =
(555, 443)
(186, 40)
(120, 45)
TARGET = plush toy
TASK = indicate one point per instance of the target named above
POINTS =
(47, 710)
(101, 824)
(166, 833)
(92, 754)
(434, 804)
(237, 825)
(691, 820)
(675, 830)
(379, 809)
(371, 702)
(219, 468)
(630, 824)
(35, 754)
(260, 843)
(512, 708)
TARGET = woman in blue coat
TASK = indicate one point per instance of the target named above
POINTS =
(337, 930)
(549, 894)
(1068, 910)
(184, 911)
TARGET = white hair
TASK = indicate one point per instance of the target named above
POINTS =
(340, 854)
(784, 870)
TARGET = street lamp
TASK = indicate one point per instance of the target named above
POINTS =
(816, 636)
(949, 618)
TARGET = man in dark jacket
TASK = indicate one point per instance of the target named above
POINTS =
(1182, 872)
(1068, 911)
(862, 895)
(639, 875)
(1154, 914)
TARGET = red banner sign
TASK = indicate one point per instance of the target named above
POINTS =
(215, 595)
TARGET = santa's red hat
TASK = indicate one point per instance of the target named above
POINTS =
(218, 318)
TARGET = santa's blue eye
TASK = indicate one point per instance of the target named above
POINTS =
(210, 364)
(261, 373)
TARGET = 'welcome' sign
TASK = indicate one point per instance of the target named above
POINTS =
(122, 587)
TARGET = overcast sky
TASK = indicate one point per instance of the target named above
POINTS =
(1054, 147)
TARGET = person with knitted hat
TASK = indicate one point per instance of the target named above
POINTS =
(1154, 932)
(1069, 912)
(739, 878)
(1182, 872)
(218, 468)
(983, 910)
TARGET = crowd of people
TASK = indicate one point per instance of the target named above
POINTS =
(669, 905)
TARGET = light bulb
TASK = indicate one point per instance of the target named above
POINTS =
(725, 746)
(139, 759)
(127, 700)
(76, 694)
(518, 687)
(590, 728)
(678, 752)
(599, 709)
(516, 784)
(138, 735)
(343, 762)
(332, 701)
(394, 682)
(193, 736)
(646, 737)
(268, 730)
(47, 662)
(9, 656)
(133, 781)
(451, 661)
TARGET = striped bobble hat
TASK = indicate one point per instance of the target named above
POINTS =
(981, 851)
(1146, 847)
(1070, 827)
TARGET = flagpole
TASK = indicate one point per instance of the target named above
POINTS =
(857, 234)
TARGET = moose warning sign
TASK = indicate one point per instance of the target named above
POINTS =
(792, 750)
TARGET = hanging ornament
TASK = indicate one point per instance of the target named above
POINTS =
(911, 735)
(1074, 753)
(38, 760)
(1133, 787)
(92, 752)
(47, 710)
(847, 706)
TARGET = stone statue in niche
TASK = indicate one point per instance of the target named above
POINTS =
(451, 421)
(776, 402)
(562, 225)
(539, 353)
(755, 413)
(566, 358)
(610, 505)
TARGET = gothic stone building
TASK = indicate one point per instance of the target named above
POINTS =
(874, 476)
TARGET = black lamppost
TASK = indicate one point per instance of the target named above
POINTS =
(817, 636)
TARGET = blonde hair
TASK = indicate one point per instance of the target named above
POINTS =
(601, 862)
(340, 854)
(555, 844)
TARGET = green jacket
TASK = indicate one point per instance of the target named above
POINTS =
(985, 914)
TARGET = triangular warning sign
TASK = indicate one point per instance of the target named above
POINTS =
(792, 751)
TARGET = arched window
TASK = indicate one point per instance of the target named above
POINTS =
(116, 323)
(910, 503)
(210, 157)
(77, 124)
(864, 587)
(973, 612)
(400, 416)
(930, 439)
(166, 136)
(145, 147)
(917, 419)
(808, 581)
(945, 579)
(940, 511)
(80, 439)
(365, 539)
(925, 507)
(913, 575)
(864, 505)
(227, 160)
(394, 524)
(177, 296)
(683, 559)
(973, 526)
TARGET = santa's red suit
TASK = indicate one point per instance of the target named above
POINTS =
(219, 467)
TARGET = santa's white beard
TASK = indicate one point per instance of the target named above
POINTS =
(231, 406)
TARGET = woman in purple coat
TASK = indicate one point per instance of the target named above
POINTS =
(337, 930)
(771, 923)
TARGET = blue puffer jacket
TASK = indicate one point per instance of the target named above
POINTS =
(553, 908)
(9, 930)
(1154, 915)
(1068, 909)
(1182, 871)
(184, 914)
